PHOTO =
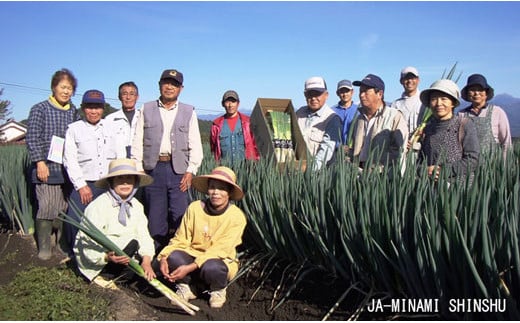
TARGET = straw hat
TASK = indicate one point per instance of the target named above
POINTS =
(123, 166)
(223, 174)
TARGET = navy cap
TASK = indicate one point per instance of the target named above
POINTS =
(93, 97)
(371, 80)
(344, 84)
(173, 75)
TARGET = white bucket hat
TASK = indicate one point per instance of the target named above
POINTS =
(445, 86)
(123, 166)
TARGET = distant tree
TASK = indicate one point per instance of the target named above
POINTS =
(205, 130)
(4, 107)
(4, 113)
(108, 110)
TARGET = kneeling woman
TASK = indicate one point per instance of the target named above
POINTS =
(121, 218)
(204, 246)
(450, 142)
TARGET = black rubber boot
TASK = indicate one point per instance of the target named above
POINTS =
(43, 232)
(56, 240)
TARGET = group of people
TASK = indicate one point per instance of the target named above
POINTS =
(422, 125)
(86, 164)
(91, 167)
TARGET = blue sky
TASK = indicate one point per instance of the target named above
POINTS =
(260, 49)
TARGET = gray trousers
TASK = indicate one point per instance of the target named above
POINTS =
(51, 201)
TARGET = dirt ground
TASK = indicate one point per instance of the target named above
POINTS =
(309, 303)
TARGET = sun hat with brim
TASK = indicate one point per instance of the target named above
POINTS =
(445, 86)
(120, 167)
(223, 174)
(477, 79)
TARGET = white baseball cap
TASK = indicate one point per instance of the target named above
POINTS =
(315, 83)
(409, 70)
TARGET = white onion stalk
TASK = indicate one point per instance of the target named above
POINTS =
(95, 234)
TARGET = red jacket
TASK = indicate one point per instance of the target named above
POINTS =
(249, 140)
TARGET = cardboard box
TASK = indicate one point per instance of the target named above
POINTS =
(262, 129)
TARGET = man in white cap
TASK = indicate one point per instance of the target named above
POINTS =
(409, 103)
(319, 124)
(346, 108)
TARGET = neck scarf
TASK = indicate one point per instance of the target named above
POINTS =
(124, 205)
(55, 102)
(209, 209)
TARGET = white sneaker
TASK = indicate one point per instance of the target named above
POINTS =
(184, 291)
(217, 298)
(109, 284)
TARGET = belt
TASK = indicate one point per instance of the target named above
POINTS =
(165, 158)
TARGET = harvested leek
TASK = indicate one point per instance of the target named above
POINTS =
(95, 234)
(282, 136)
(428, 111)
(418, 132)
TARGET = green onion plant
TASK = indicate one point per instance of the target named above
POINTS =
(15, 187)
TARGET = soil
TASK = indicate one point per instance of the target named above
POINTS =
(244, 302)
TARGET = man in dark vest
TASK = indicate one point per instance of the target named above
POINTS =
(168, 147)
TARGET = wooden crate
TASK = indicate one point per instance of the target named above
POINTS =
(262, 131)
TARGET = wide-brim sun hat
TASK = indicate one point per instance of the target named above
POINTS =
(445, 86)
(477, 79)
(223, 174)
(120, 167)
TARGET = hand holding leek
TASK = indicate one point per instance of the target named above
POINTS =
(95, 234)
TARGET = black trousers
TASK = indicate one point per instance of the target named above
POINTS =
(121, 272)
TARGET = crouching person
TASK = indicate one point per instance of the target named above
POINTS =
(204, 246)
(121, 218)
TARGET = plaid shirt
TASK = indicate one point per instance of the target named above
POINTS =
(45, 120)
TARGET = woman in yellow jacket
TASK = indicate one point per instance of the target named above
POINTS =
(204, 246)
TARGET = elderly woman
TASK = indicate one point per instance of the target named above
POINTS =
(204, 246)
(449, 142)
(490, 120)
(121, 218)
(48, 121)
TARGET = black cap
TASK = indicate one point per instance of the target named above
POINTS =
(172, 75)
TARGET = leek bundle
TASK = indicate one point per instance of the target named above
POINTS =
(95, 234)
(428, 111)
(282, 136)
(418, 131)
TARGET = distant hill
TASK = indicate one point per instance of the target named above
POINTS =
(211, 117)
